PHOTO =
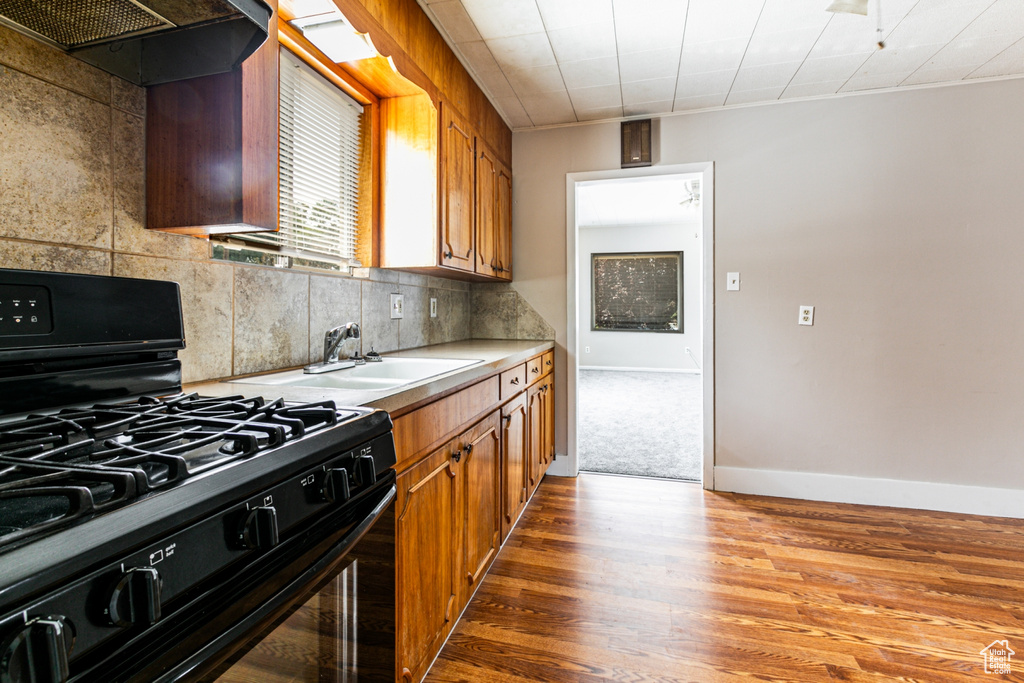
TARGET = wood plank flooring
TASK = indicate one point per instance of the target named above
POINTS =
(625, 579)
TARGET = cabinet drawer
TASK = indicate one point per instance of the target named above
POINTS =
(513, 381)
(534, 369)
(547, 363)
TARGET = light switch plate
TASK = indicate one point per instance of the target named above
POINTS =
(396, 306)
(806, 315)
(433, 307)
(732, 282)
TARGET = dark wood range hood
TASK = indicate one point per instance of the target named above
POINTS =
(147, 41)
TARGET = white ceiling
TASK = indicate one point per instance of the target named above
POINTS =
(546, 62)
(637, 201)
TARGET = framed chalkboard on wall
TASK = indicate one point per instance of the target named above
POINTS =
(637, 292)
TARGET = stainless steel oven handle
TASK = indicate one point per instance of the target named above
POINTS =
(186, 669)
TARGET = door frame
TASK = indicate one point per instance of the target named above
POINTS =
(569, 466)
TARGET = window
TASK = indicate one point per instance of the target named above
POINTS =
(638, 292)
(323, 154)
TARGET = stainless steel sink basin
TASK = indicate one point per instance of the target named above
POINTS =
(388, 374)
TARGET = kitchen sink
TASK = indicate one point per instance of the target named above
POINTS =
(389, 373)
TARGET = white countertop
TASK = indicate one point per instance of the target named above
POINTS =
(496, 355)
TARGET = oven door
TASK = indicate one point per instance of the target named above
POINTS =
(323, 612)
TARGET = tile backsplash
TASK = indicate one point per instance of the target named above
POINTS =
(72, 199)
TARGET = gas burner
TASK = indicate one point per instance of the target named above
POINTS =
(58, 468)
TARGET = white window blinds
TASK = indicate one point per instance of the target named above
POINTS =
(320, 159)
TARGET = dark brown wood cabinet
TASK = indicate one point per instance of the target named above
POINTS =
(212, 148)
(535, 422)
(457, 192)
(426, 539)
(514, 443)
(503, 222)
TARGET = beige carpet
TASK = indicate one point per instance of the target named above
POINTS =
(647, 424)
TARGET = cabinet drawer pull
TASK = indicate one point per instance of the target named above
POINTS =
(514, 380)
(469, 448)
(547, 363)
(535, 370)
(457, 455)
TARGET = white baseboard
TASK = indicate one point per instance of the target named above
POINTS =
(690, 371)
(920, 495)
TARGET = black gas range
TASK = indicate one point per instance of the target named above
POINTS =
(147, 534)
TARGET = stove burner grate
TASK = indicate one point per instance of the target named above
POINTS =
(55, 469)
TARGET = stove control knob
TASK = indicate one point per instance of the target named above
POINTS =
(335, 488)
(136, 598)
(259, 531)
(38, 652)
(365, 470)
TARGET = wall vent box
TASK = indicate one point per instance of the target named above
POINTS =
(636, 143)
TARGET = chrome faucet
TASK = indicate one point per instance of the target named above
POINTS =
(333, 342)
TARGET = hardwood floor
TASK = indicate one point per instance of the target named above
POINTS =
(624, 579)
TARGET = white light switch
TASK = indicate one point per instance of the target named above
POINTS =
(433, 307)
(732, 282)
(396, 306)
(806, 315)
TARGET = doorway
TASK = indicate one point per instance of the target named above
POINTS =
(640, 376)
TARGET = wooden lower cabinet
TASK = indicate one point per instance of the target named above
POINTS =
(514, 443)
(548, 450)
(425, 547)
(478, 508)
(541, 419)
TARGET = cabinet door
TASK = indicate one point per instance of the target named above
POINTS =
(535, 420)
(457, 200)
(481, 489)
(425, 547)
(486, 205)
(513, 451)
(549, 422)
(503, 222)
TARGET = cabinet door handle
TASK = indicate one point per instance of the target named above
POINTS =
(507, 419)
(457, 455)
(447, 254)
(514, 380)
(469, 448)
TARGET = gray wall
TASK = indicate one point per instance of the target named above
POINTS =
(620, 349)
(898, 216)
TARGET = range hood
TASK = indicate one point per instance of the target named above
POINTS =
(146, 41)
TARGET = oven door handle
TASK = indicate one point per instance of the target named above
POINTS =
(186, 670)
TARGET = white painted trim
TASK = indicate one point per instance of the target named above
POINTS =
(684, 371)
(570, 466)
(898, 493)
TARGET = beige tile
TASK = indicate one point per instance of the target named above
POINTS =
(129, 162)
(453, 316)
(55, 183)
(333, 301)
(127, 96)
(271, 315)
(414, 279)
(494, 315)
(461, 326)
(378, 329)
(206, 309)
(50, 64)
(51, 257)
(414, 328)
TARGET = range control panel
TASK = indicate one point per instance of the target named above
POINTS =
(24, 309)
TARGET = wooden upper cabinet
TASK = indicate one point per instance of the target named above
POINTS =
(503, 222)
(212, 149)
(426, 540)
(457, 196)
(486, 211)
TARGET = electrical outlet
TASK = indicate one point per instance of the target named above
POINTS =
(433, 307)
(806, 315)
(586, 349)
(732, 282)
(396, 306)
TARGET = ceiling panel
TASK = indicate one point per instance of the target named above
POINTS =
(560, 61)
